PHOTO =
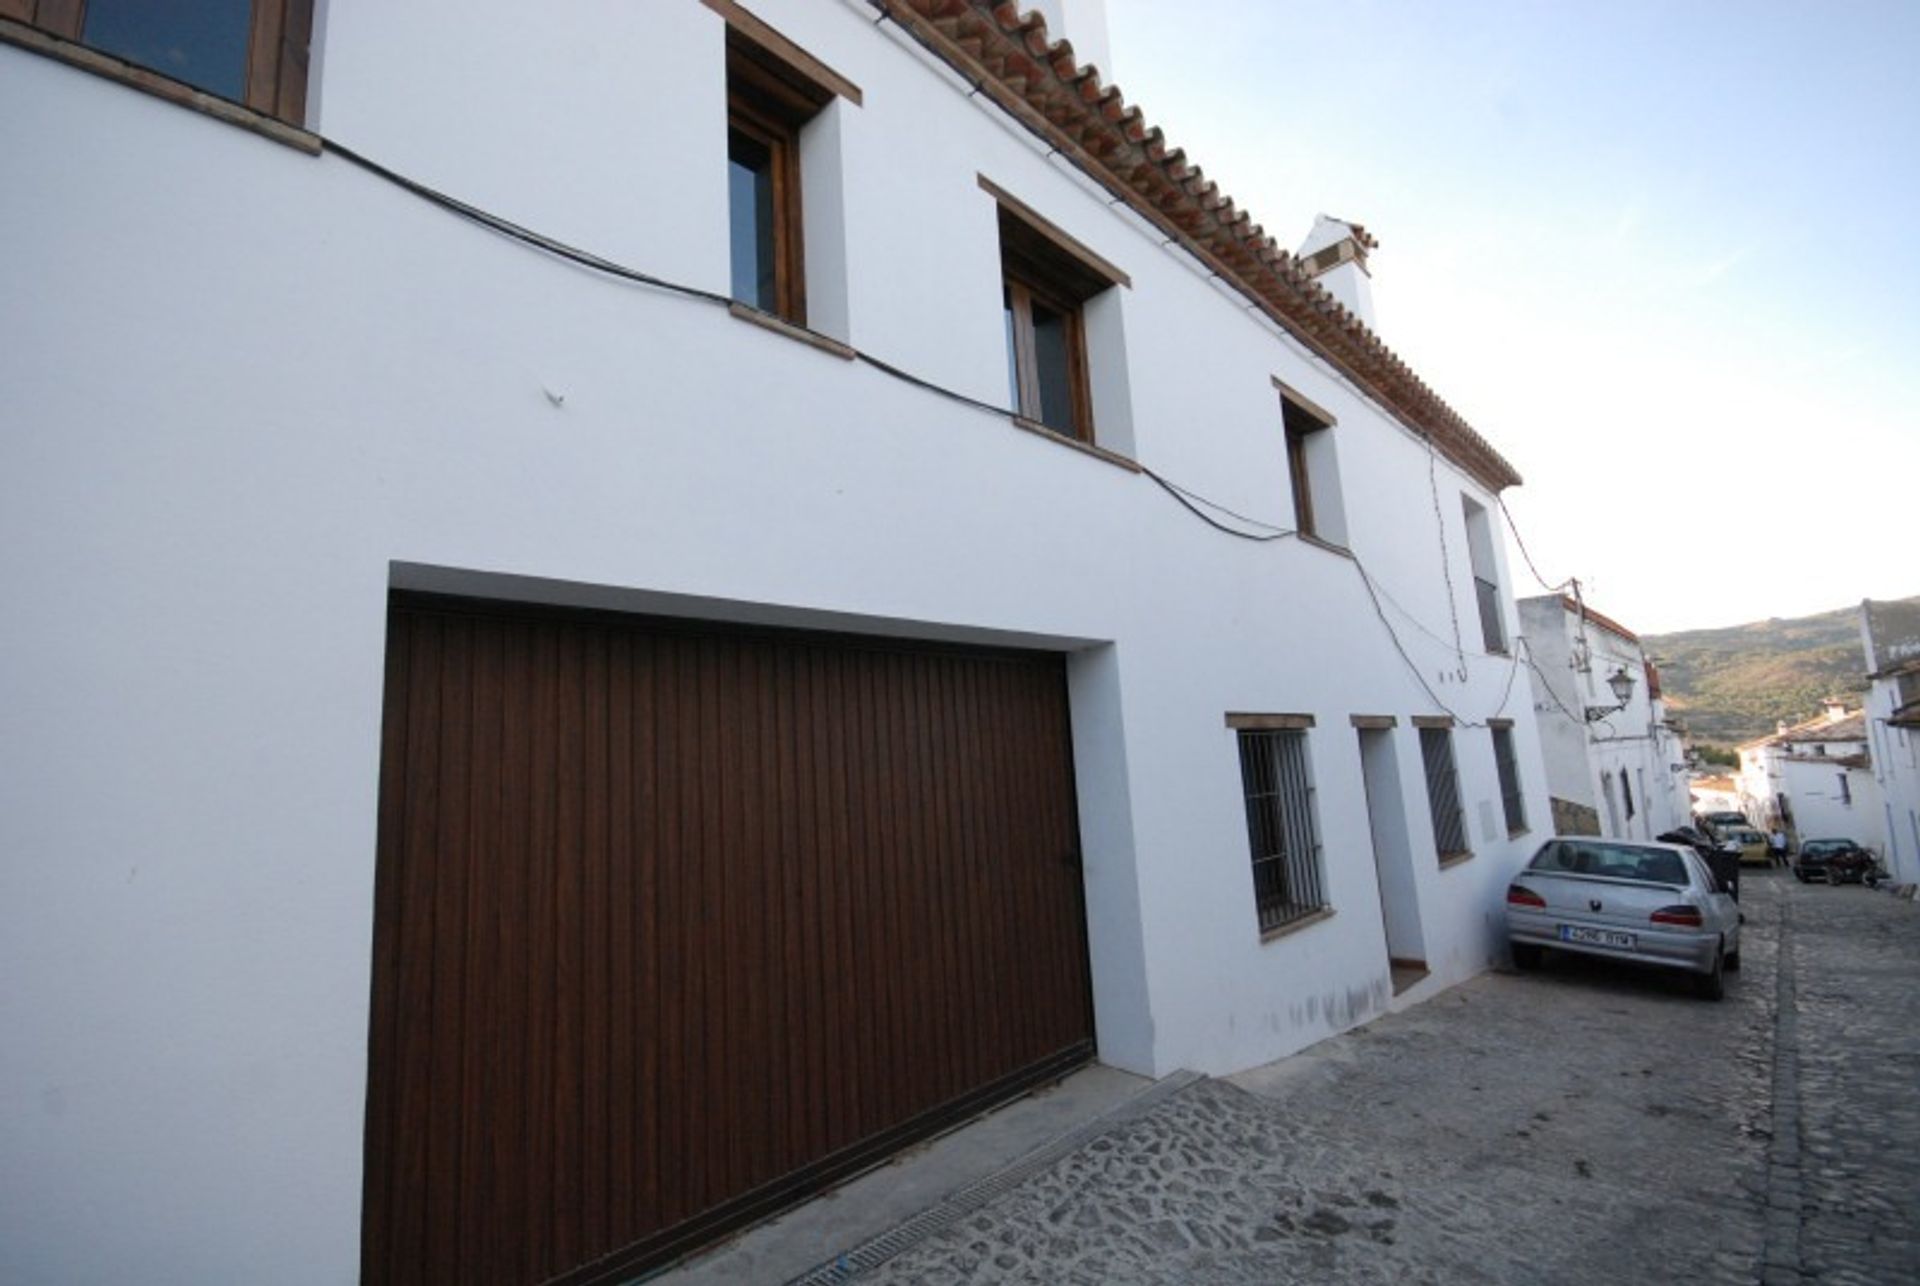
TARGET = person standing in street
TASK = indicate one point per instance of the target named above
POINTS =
(1777, 845)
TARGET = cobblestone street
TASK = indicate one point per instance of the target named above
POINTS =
(1583, 1124)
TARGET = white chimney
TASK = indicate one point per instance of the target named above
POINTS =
(1836, 709)
(1084, 22)
(1335, 254)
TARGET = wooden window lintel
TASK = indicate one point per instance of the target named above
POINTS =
(1268, 722)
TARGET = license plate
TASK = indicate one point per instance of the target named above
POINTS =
(1595, 937)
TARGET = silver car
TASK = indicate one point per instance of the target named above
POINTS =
(1648, 903)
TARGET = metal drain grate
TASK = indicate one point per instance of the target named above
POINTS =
(870, 1254)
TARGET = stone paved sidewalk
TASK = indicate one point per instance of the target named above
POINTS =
(1585, 1124)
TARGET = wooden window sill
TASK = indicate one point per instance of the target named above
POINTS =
(1449, 860)
(125, 73)
(1274, 934)
(1086, 448)
(1320, 542)
(813, 338)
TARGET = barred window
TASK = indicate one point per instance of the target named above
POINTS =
(1281, 831)
(1509, 770)
(1443, 792)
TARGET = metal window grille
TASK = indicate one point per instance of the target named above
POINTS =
(1443, 791)
(1280, 826)
(1509, 770)
(1492, 628)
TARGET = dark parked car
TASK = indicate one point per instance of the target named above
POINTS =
(1725, 866)
(1837, 861)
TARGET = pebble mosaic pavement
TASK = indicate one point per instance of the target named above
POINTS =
(1584, 1124)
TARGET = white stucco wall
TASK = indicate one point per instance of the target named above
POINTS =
(1896, 766)
(1572, 662)
(246, 390)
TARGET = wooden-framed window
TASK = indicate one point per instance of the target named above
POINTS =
(1046, 280)
(768, 101)
(1508, 769)
(1486, 577)
(1443, 789)
(1311, 471)
(1283, 834)
(252, 52)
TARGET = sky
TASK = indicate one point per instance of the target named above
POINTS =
(1663, 256)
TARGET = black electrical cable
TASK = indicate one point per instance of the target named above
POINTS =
(508, 228)
(1188, 500)
(1514, 527)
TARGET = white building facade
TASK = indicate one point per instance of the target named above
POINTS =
(1890, 633)
(1614, 768)
(279, 425)
(1816, 778)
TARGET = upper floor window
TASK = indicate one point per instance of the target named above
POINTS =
(252, 52)
(1047, 279)
(1312, 469)
(767, 103)
(1486, 576)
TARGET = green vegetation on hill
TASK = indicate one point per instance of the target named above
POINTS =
(1734, 684)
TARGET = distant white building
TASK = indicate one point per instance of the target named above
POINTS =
(1615, 765)
(1816, 779)
(1891, 635)
(1714, 793)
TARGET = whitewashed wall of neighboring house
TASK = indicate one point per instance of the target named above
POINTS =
(249, 390)
(1890, 633)
(1828, 798)
(1621, 764)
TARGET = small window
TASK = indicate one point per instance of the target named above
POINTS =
(1846, 791)
(1443, 792)
(1312, 470)
(1509, 771)
(1281, 830)
(1626, 793)
(767, 103)
(1046, 281)
(252, 52)
(1486, 578)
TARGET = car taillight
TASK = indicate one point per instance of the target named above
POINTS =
(1687, 915)
(1517, 896)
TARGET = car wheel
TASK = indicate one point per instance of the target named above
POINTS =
(1833, 878)
(1526, 956)
(1712, 985)
(1732, 959)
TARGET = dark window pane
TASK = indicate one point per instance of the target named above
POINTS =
(1050, 339)
(201, 42)
(750, 220)
(1013, 355)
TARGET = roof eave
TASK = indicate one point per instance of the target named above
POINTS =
(1008, 56)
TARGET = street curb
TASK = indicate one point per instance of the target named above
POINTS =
(875, 1251)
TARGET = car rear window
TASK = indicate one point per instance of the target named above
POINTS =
(1616, 861)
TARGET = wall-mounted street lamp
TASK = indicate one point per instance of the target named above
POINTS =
(1622, 684)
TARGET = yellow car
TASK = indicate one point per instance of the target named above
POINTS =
(1752, 844)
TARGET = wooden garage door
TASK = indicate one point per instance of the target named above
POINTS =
(674, 924)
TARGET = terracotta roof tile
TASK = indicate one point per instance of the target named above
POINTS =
(1005, 51)
(1603, 621)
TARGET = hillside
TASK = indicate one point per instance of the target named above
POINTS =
(1734, 684)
